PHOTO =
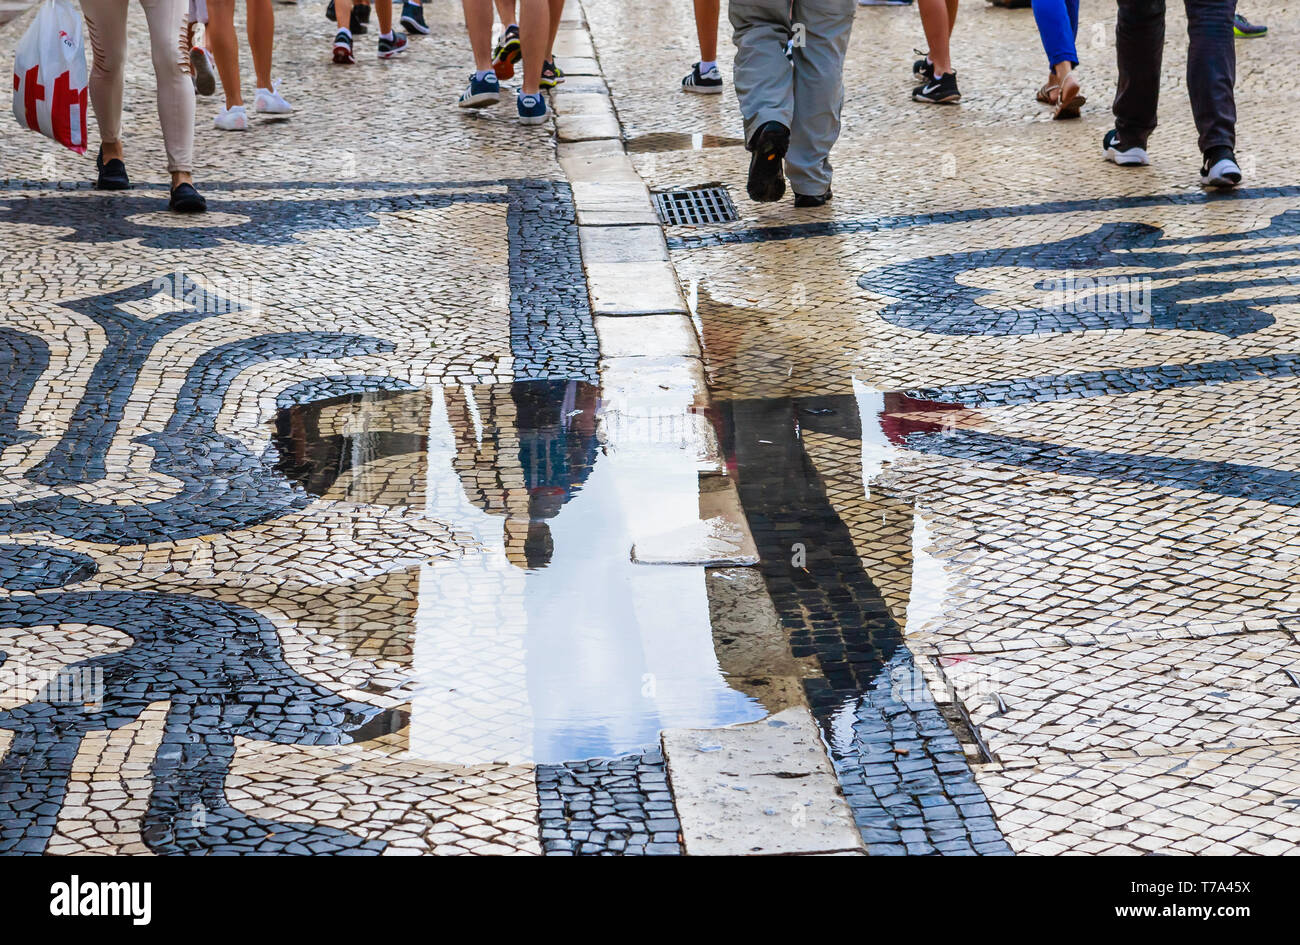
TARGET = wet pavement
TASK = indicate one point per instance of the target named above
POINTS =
(436, 500)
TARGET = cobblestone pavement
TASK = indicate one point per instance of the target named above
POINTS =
(1023, 418)
(370, 512)
(295, 493)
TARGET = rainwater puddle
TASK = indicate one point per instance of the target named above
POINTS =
(544, 642)
(679, 141)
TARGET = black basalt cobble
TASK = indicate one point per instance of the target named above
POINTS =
(222, 671)
(608, 807)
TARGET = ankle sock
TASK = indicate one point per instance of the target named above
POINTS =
(481, 74)
(706, 66)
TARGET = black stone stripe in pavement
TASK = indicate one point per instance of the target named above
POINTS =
(903, 771)
(615, 807)
(1233, 480)
(1023, 390)
(222, 668)
(848, 227)
(552, 334)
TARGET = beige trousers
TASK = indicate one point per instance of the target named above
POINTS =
(106, 26)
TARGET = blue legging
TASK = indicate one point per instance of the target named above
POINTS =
(1058, 25)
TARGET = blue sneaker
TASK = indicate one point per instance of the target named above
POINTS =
(532, 109)
(481, 92)
(413, 18)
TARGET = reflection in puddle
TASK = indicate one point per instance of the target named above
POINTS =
(543, 642)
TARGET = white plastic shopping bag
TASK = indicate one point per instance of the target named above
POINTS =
(50, 76)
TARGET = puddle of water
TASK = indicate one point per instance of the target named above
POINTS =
(679, 141)
(544, 642)
(886, 420)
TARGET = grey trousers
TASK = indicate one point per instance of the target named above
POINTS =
(806, 99)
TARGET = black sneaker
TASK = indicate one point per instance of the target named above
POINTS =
(112, 174)
(923, 68)
(812, 200)
(343, 49)
(1220, 168)
(768, 146)
(185, 199)
(1122, 153)
(705, 83)
(938, 90)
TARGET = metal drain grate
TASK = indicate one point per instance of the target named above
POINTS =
(709, 203)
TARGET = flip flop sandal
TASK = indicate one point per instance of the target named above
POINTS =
(1048, 92)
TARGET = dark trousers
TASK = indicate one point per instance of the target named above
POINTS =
(1211, 69)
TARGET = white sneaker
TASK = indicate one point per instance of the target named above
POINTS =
(231, 119)
(270, 101)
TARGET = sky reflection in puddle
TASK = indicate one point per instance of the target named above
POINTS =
(544, 642)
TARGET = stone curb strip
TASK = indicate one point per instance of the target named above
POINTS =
(766, 787)
(652, 371)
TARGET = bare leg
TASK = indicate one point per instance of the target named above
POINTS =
(342, 14)
(220, 35)
(261, 37)
(952, 15)
(706, 28)
(478, 22)
(534, 32)
(556, 12)
(385, 11)
(506, 11)
(934, 19)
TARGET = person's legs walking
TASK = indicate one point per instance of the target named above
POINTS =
(175, 101)
(484, 87)
(707, 14)
(551, 74)
(224, 46)
(106, 28)
(1058, 23)
(818, 96)
(938, 29)
(764, 80)
(939, 78)
(1139, 52)
(260, 23)
(704, 76)
(535, 33)
(765, 88)
(508, 49)
(261, 41)
(1212, 71)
